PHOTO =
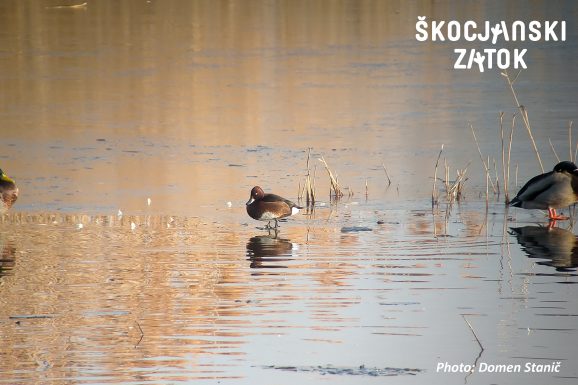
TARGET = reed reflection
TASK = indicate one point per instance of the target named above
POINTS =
(559, 247)
(7, 259)
(267, 251)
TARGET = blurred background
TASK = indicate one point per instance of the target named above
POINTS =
(191, 103)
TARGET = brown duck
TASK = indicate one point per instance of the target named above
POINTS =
(269, 207)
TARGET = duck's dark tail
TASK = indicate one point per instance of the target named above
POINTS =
(515, 202)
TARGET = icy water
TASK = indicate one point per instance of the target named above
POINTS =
(135, 131)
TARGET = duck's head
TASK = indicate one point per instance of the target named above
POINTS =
(566, 166)
(5, 178)
(256, 194)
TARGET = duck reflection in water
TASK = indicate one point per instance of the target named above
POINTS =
(266, 251)
(559, 247)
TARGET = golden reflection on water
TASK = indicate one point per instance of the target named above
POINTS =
(84, 294)
(78, 297)
(192, 103)
(178, 298)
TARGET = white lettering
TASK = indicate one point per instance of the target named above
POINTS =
(549, 31)
(457, 64)
(467, 25)
(437, 31)
(420, 27)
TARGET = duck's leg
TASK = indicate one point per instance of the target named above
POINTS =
(555, 217)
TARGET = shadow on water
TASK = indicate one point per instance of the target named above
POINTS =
(558, 247)
(267, 251)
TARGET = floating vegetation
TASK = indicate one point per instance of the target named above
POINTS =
(355, 229)
(361, 370)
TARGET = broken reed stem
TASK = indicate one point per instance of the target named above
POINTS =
(503, 152)
(141, 334)
(446, 177)
(313, 183)
(496, 175)
(473, 332)
(488, 178)
(308, 185)
(507, 179)
(434, 195)
(386, 175)
(482, 159)
(337, 192)
(524, 114)
(310, 195)
(454, 192)
(554, 150)
(570, 141)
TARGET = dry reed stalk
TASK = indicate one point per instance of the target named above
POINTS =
(497, 184)
(482, 159)
(313, 181)
(523, 113)
(487, 189)
(501, 116)
(570, 141)
(337, 192)
(507, 178)
(503, 157)
(461, 180)
(474, 333)
(434, 194)
(446, 175)
(386, 175)
(455, 190)
(299, 192)
(309, 184)
(554, 150)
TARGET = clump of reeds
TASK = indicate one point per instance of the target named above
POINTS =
(454, 189)
(335, 190)
(309, 184)
(506, 148)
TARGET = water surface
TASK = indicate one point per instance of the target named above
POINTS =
(135, 131)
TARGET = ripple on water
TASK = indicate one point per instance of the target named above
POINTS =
(179, 298)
